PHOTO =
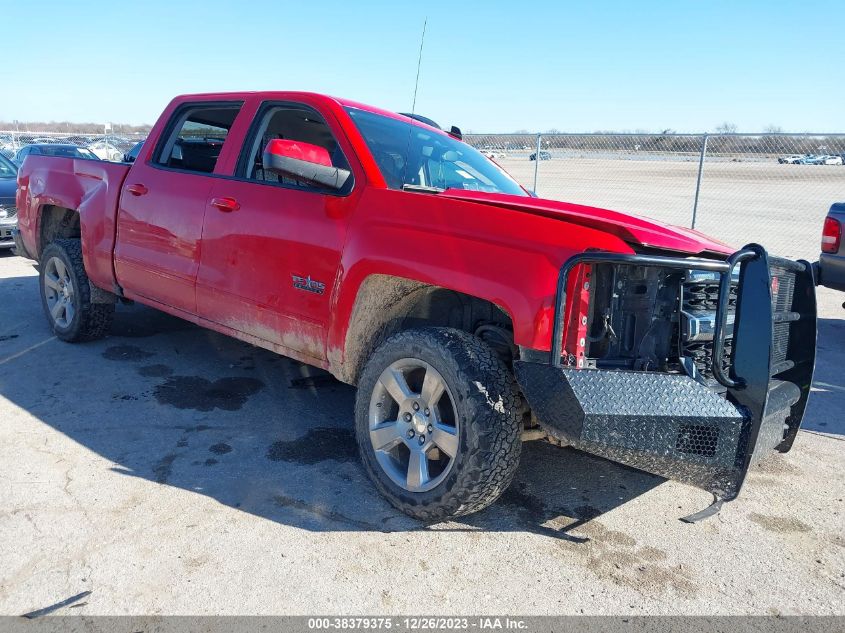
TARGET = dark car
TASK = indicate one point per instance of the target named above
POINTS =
(132, 154)
(544, 155)
(53, 149)
(8, 210)
(832, 259)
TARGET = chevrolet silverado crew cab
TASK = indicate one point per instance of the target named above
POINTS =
(466, 311)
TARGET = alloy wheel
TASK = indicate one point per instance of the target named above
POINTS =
(414, 429)
(59, 292)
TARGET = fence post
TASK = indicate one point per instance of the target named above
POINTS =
(537, 161)
(698, 179)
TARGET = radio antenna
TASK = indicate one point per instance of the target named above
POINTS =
(419, 63)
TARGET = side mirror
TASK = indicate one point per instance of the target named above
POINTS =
(456, 133)
(303, 161)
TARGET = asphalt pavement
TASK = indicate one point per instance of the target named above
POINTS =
(171, 470)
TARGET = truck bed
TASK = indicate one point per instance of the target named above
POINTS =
(90, 186)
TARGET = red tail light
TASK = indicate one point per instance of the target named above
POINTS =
(831, 235)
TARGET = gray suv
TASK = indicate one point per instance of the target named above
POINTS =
(832, 258)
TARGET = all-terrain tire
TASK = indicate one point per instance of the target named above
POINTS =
(487, 405)
(90, 321)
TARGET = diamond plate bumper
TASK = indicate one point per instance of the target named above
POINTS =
(670, 424)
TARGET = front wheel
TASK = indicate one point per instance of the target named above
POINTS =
(437, 423)
(66, 295)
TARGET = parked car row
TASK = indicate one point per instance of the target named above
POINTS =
(812, 159)
(53, 149)
(17, 147)
(494, 152)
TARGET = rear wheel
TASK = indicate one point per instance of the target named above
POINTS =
(66, 294)
(437, 424)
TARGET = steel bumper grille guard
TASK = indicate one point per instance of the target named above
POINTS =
(668, 423)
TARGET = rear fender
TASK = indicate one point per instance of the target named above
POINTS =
(90, 188)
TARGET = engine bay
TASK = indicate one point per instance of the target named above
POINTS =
(648, 318)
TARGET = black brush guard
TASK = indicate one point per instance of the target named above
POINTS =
(670, 424)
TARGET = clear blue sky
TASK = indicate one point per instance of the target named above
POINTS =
(487, 66)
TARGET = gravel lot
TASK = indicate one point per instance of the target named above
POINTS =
(171, 470)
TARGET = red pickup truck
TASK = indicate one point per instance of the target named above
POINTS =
(465, 309)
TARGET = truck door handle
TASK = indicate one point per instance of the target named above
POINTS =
(226, 205)
(137, 189)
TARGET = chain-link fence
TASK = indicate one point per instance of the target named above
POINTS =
(769, 188)
(774, 189)
(106, 146)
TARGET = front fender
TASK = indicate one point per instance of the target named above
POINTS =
(506, 257)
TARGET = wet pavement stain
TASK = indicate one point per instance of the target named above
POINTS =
(126, 353)
(519, 499)
(245, 362)
(210, 461)
(8, 337)
(534, 511)
(220, 449)
(193, 392)
(320, 380)
(195, 429)
(533, 514)
(163, 468)
(318, 445)
(155, 371)
(325, 514)
(617, 557)
(780, 525)
(144, 323)
(586, 512)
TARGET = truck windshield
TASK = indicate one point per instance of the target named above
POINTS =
(410, 155)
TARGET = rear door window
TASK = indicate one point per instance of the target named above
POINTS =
(196, 137)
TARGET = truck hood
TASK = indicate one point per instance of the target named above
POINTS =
(635, 230)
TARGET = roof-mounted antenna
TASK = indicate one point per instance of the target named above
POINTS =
(419, 62)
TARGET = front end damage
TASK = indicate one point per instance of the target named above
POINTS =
(689, 368)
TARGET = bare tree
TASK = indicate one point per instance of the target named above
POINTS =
(726, 128)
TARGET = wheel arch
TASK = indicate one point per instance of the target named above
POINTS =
(386, 304)
(57, 222)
